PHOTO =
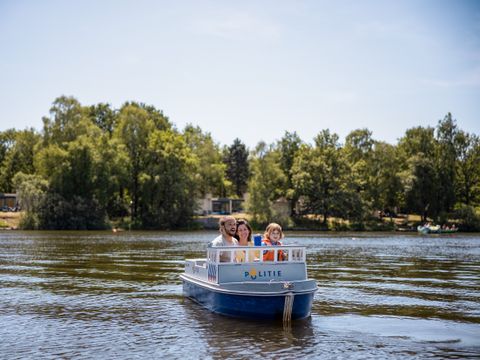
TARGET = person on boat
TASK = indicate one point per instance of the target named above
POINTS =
(272, 236)
(228, 227)
(244, 237)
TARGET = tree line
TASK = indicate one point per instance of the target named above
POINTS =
(92, 164)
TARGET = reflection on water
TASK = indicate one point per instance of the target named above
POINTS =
(91, 295)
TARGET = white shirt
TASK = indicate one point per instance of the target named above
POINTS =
(221, 241)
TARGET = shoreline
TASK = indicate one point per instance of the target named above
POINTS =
(403, 224)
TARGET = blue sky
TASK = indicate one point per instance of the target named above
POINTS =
(248, 69)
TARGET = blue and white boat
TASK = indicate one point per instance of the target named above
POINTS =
(254, 288)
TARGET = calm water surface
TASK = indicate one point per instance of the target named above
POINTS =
(103, 295)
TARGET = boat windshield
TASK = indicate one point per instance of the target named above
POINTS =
(256, 254)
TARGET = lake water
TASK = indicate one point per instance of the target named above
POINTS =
(118, 296)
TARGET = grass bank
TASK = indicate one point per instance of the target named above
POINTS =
(10, 220)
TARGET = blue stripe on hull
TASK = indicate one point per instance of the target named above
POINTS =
(264, 307)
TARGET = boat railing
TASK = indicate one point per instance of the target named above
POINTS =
(254, 254)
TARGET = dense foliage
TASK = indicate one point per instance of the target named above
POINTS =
(92, 164)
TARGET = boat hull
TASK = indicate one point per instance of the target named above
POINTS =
(245, 305)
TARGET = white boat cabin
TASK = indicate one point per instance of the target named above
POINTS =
(235, 264)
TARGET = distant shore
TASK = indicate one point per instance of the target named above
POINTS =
(11, 221)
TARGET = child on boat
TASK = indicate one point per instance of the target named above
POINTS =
(272, 236)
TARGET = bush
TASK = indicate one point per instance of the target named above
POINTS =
(57, 213)
(305, 223)
(380, 226)
(468, 218)
(442, 218)
(337, 225)
(357, 226)
(29, 221)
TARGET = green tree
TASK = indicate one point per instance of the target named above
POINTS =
(288, 146)
(68, 120)
(318, 176)
(265, 184)
(133, 130)
(416, 152)
(31, 191)
(209, 170)
(358, 151)
(111, 175)
(166, 185)
(420, 185)
(104, 117)
(18, 158)
(7, 140)
(415, 141)
(467, 168)
(160, 121)
(359, 145)
(75, 159)
(385, 182)
(236, 160)
(445, 158)
(72, 198)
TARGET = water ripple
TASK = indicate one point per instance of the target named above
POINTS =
(96, 295)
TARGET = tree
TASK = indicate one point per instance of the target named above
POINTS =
(133, 130)
(74, 159)
(31, 190)
(18, 158)
(358, 152)
(265, 184)
(111, 175)
(166, 185)
(209, 170)
(417, 140)
(103, 117)
(288, 146)
(236, 159)
(420, 185)
(72, 198)
(159, 120)
(7, 140)
(318, 176)
(358, 145)
(68, 120)
(385, 182)
(467, 168)
(416, 155)
(446, 161)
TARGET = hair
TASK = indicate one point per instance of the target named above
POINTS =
(224, 219)
(270, 228)
(244, 222)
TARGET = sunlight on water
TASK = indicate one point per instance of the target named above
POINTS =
(104, 295)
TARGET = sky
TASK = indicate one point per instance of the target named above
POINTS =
(248, 69)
